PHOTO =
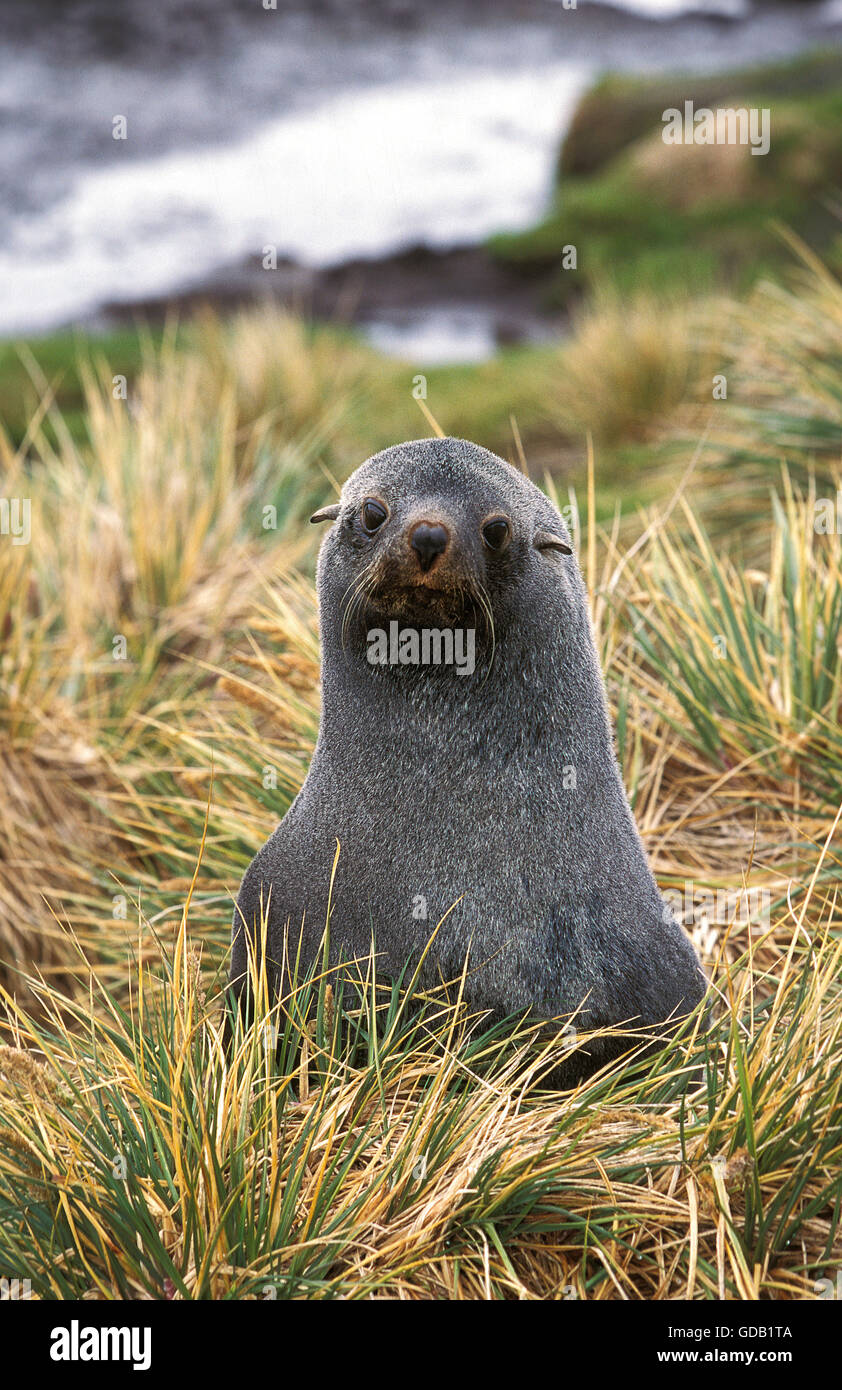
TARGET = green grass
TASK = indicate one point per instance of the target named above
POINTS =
(395, 1147)
(752, 658)
(54, 365)
(644, 215)
(375, 393)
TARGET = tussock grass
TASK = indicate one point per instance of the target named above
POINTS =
(630, 363)
(751, 657)
(148, 545)
(780, 352)
(391, 1148)
(786, 348)
(397, 1148)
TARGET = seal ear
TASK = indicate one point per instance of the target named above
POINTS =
(327, 513)
(545, 540)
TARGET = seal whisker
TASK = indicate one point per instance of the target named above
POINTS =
(359, 589)
(485, 604)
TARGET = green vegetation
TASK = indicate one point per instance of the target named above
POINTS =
(159, 704)
(644, 215)
(51, 368)
(387, 1150)
(394, 1152)
(285, 364)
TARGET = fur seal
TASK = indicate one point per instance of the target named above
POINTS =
(488, 800)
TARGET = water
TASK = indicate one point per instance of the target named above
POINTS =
(357, 175)
(328, 133)
(438, 334)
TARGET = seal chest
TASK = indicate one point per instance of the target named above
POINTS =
(465, 763)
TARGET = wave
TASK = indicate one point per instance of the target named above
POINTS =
(444, 164)
(675, 9)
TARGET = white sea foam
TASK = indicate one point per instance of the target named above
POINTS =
(362, 175)
(673, 9)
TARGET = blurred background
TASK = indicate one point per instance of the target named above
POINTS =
(352, 159)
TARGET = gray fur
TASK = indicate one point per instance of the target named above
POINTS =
(451, 788)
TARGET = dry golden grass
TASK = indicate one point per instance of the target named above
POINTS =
(394, 1151)
(628, 366)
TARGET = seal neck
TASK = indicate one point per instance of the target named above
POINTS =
(539, 698)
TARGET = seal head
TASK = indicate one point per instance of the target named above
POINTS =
(428, 532)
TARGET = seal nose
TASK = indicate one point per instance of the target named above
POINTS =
(429, 540)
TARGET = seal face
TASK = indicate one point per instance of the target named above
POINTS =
(423, 535)
(465, 761)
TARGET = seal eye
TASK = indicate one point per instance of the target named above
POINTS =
(495, 533)
(374, 514)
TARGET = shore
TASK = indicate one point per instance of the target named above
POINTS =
(393, 295)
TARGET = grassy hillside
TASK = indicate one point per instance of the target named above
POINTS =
(158, 707)
(643, 214)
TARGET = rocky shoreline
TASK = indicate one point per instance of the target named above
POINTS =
(392, 290)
